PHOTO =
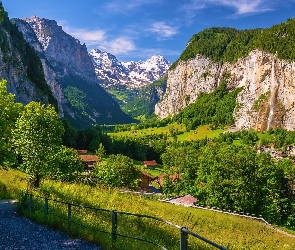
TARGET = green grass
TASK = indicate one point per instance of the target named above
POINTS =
(11, 183)
(230, 231)
(150, 131)
(199, 133)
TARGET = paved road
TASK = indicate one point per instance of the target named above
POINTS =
(19, 233)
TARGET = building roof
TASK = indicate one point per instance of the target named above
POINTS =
(150, 163)
(186, 200)
(82, 151)
(89, 158)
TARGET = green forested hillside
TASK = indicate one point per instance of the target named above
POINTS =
(228, 44)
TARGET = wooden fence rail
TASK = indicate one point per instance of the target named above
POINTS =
(184, 232)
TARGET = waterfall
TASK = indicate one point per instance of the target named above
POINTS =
(272, 93)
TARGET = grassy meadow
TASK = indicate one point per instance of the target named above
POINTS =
(229, 231)
(199, 133)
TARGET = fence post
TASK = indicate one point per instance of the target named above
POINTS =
(69, 215)
(183, 239)
(114, 227)
(31, 203)
(46, 206)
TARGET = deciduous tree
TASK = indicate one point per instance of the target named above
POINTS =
(117, 171)
(9, 111)
(37, 138)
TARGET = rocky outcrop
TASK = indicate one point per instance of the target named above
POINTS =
(266, 100)
(14, 66)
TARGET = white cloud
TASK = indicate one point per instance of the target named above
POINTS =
(162, 30)
(241, 7)
(119, 46)
(89, 37)
(100, 39)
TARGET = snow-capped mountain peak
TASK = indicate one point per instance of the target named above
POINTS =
(131, 74)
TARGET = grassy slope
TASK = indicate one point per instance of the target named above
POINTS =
(230, 231)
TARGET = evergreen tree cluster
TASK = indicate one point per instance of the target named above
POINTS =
(228, 44)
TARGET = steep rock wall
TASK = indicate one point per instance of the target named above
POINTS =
(268, 95)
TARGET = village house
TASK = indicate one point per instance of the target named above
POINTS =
(150, 164)
(88, 160)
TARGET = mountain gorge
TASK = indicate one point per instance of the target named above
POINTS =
(69, 72)
(260, 61)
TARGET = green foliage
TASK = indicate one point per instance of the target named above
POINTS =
(36, 138)
(117, 171)
(69, 138)
(180, 166)
(261, 100)
(68, 166)
(100, 152)
(76, 97)
(9, 112)
(215, 108)
(235, 177)
(228, 45)
(139, 104)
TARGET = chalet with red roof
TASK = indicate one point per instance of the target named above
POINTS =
(88, 160)
(150, 164)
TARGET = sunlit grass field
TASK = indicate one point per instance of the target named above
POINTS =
(229, 231)
(199, 133)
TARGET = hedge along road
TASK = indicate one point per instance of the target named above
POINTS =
(20, 233)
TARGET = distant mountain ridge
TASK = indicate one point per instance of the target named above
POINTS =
(132, 75)
(70, 73)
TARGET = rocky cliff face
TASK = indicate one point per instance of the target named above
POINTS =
(132, 75)
(70, 73)
(15, 56)
(267, 99)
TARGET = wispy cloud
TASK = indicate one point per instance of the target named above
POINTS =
(240, 7)
(162, 30)
(246, 6)
(125, 6)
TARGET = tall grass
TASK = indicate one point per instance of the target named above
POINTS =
(11, 183)
(230, 231)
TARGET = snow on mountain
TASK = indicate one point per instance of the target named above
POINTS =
(130, 74)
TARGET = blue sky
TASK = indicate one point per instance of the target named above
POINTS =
(137, 29)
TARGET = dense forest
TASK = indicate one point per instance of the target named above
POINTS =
(228, 44)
